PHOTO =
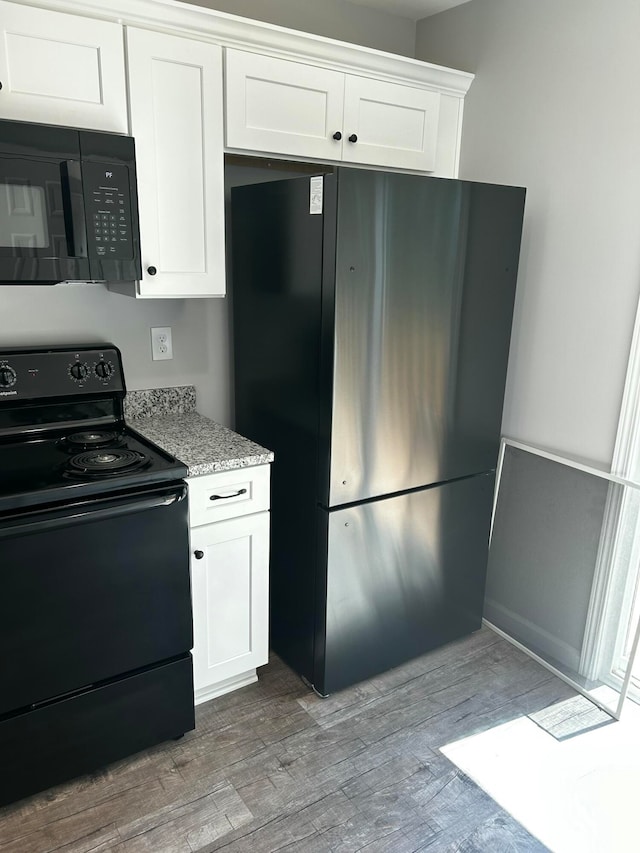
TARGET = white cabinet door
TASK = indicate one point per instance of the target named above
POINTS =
(395, 125)
(61, 69)
(230, 589)
(275, 105)
(175, 93)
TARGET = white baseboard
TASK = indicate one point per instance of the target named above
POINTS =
(531, 635)
(226, 686)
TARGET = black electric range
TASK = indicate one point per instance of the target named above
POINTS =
(95, 611)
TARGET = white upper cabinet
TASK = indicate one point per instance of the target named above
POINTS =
(175, 95)
(61, 69)
(282, 106)
(390, 125)
(288, 94)
(285, 107)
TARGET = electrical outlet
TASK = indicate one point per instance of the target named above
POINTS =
(161, 344)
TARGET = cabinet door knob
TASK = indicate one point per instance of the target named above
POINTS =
(353, 138)
(337, 136)
(0, 84)
(152, 270)
(198, 554)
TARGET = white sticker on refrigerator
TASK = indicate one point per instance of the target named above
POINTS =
(316, 186)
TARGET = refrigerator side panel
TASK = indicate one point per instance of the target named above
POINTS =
(277, 258)
(425, 283)
(405, 575)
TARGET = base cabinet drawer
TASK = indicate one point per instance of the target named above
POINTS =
(230, 589)
(228, 494)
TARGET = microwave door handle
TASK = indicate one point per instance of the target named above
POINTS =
(73, 206)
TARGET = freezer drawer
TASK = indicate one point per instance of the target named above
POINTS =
(404, 575)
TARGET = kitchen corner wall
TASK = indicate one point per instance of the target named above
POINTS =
(553, 108)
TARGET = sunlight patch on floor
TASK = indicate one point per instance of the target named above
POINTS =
(578, 795)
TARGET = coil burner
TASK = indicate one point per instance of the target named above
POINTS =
(112, 460)
(89, 439)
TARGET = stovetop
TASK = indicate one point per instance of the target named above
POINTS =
(51, 468)
(62, 432)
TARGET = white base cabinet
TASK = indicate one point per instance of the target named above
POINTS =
(230, 582)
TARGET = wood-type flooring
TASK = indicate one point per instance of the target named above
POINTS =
(272, 767)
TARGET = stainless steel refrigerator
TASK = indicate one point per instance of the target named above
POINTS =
(372, 318)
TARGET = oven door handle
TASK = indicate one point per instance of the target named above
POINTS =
(81, 514)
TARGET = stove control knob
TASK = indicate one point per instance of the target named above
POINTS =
(79, 371)
(8, 377)
(104, 369)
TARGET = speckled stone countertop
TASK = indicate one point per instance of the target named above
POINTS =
(203, 445)
(160, 401)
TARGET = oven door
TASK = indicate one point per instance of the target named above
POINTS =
(42, 226)
(91, 592)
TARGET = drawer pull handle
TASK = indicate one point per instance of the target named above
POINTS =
(224, 497)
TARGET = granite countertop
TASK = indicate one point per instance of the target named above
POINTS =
(167, 417)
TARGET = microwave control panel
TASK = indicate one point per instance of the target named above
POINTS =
(108, 210)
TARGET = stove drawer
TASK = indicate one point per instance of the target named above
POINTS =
(84, 732)
(228, 494)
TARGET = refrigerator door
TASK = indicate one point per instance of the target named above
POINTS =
(424, 289)
(404, 575)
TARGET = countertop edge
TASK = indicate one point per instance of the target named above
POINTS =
(190, 437)
(204, 468)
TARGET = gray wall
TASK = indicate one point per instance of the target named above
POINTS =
(85, 313)
(553, 108)
(38, 315)
(333, 18)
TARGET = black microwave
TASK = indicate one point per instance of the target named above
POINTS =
(68, 205)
